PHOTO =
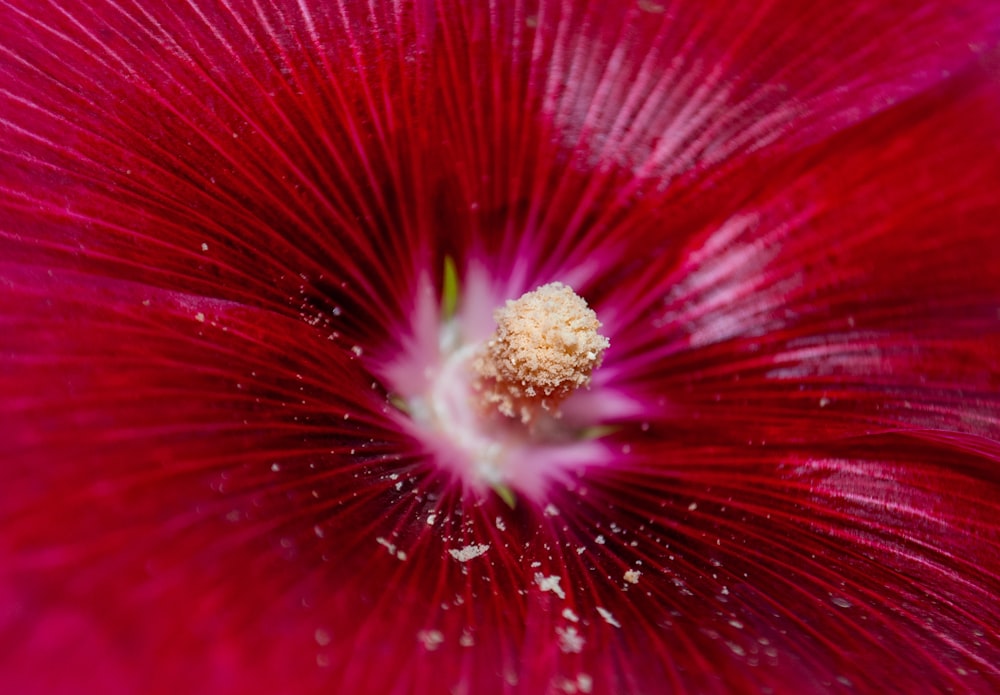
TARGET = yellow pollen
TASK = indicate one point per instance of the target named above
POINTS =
(545, 347)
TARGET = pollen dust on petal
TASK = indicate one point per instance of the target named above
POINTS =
(608, 617)
(550, 583)
(468, 552)
(431, 639)
(570, 640)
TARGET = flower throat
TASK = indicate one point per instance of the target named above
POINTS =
(493, 408)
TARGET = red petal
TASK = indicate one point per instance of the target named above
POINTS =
(786, 214)
(854, 290)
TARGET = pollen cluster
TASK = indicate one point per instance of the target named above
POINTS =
(545, 347)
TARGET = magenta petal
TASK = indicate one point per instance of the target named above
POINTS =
(157, 446)
(221, 219)
(853, 291)
(853, 565)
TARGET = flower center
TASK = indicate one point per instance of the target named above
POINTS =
(545, 347)
(490, 410)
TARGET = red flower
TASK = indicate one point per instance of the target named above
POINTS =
(224, 323)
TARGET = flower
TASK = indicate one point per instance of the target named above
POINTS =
(241, 242)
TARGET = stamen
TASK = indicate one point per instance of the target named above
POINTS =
(545, 347)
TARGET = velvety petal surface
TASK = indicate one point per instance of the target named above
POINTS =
(221, 220)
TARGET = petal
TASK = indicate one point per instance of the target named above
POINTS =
(158, 447)
(849, 565)
(856, 290)
(212, 212)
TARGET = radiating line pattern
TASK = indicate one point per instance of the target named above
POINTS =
(223, 223)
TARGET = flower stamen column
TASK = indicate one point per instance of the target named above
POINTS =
(492, 412)
(545, 347)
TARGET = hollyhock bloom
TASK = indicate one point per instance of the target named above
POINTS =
(251, 380)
